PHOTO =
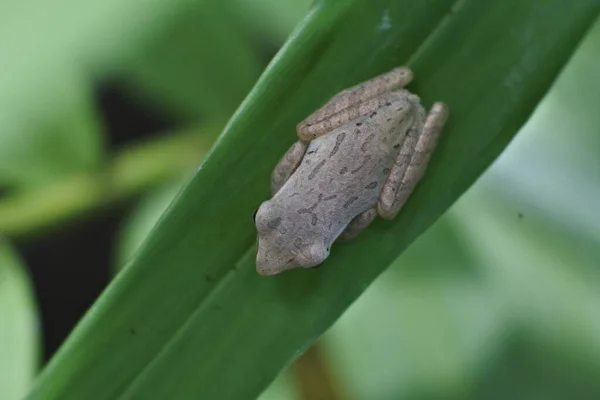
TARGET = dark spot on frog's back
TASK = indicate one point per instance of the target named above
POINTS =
(365, 160)
(298, 243)
(313, 217)
(338, 141)
(363, 147)
(274, 223)
(358, 123)
(316, 169)
(371, 185)
(343, 170)
(373, 114)
(350, 201)
(314, 220)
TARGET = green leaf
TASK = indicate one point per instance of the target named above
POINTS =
(142, 220)
(429, 324)
(19, 335)
(43, 139)
(189, 317)
(199, 64)
(559, 146)
(283, 388)
(48, 124)
(540, 275)
(275, 19)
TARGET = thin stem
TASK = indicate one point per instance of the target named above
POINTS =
(128, 172)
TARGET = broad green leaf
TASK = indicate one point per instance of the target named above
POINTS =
(275, 19)
(142, 220)
(39, 37)
(282, 389)
(19, 330)
(136, 228)
(49, 50)
(553, 165)
(424, 329)
(539, 276)
(189, 317)
(199, 64)
(46, 138)
(524, 369)
(544, 283)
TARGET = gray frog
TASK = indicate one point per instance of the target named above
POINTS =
(359, 156)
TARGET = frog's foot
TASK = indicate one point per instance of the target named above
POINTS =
(287, 165)
(352, 103)
(411, 162)
(360, 222)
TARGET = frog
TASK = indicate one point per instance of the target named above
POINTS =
(359, 156)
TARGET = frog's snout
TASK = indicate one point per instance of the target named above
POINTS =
(269, 263)
(265, 271)
(262, 267)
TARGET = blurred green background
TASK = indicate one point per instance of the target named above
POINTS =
(107, 107)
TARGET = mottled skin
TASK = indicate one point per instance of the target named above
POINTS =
(369, 146)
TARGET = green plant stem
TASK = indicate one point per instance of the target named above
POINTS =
(128, 173)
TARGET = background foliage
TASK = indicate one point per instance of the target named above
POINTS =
(498, 298)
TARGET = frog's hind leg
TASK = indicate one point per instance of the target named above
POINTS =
(359, 223)
(411, 163)
(352, 103)
(287, 165)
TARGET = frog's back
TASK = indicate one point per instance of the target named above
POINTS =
(343, 172)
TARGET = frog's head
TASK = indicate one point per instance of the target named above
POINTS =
(285, 243)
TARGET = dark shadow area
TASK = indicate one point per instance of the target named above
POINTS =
(70, 266)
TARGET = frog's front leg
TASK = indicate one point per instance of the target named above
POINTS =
(411, 163)
(353, 103)
(357, 225)
(287, 165)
